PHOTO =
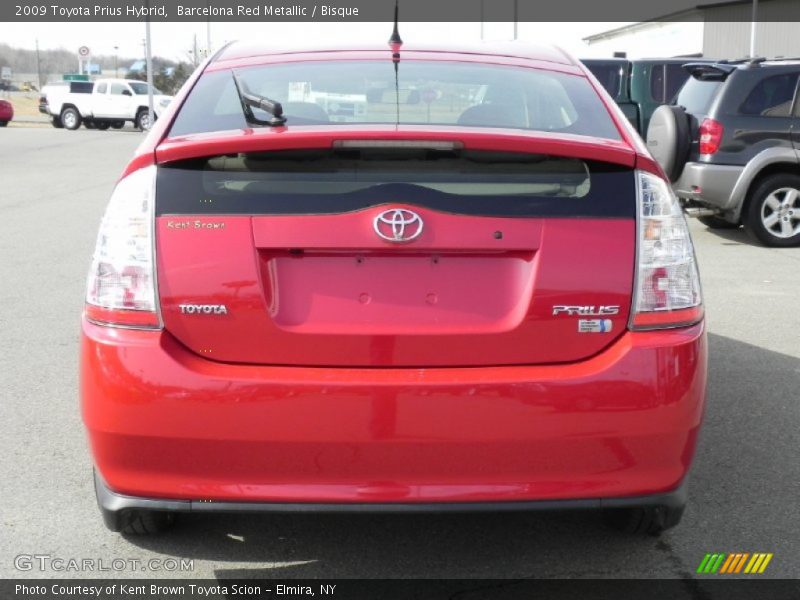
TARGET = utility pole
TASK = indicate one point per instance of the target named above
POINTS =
(38, 65)
(149, 59)
(753, 25)
(116, 62)
(516, 17)
(208, 31)
(481, 1)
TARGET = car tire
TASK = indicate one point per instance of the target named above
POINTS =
(56, 122)
(650, 520)
(713, 222)
(102, 125)
(118, 124)
(147, 522)
(3, 123)
(142, 121)
(89, 124)
(71, 118)
(772, 214)
(668, 139)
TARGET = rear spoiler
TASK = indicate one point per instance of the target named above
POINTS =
(710, 71)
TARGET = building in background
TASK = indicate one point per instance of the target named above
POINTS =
(711, 29)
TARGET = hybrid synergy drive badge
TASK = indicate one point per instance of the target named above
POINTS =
(594, 325)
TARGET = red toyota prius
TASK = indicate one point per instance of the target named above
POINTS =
(392, 279)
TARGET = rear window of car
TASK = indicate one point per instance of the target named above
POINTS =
(81, 87)
(696, 95)
(348, 177)
(424, 92)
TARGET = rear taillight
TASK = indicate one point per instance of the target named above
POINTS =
(667, 290)
(710, 136)
(121, 289)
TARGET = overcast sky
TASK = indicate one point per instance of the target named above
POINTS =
(174, 40)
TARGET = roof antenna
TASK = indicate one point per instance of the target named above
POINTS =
(395, 41)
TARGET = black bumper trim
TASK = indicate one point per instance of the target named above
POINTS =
(114, 506)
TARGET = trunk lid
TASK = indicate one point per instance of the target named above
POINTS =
(288, 257)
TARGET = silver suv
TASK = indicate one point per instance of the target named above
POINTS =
(730, 145)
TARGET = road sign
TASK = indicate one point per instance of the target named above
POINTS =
(75, 77)
(5, 73)
(84, 51)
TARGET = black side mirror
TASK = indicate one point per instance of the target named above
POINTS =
(126, 93)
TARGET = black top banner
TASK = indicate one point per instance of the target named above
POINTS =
(383, 10)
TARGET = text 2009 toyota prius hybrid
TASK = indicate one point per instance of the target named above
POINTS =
(392, 279)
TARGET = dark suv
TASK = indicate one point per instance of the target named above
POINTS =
(639, 86)
(730, 145)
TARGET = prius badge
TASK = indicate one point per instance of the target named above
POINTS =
(585, 311)
(589, 325)
(398, 225)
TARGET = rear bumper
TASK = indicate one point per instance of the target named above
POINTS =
(117, 508)
(166, 424)
(709, 184)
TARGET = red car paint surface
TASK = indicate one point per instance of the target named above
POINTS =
(622, 423)
(327, 381)
(6, 111)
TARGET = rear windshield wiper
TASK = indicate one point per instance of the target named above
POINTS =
(250, 100)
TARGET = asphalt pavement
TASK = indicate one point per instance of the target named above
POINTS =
(744, 487)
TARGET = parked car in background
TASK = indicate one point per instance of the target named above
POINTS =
(639, 86)
(483, 300)
(730, 144)
(101, 104)
(6, 112)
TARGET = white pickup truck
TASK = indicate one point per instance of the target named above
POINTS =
(100, 104)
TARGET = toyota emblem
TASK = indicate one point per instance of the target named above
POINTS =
(398, 225)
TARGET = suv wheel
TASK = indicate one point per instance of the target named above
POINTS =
(71, 118)
(651, 520)
(773, 212)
